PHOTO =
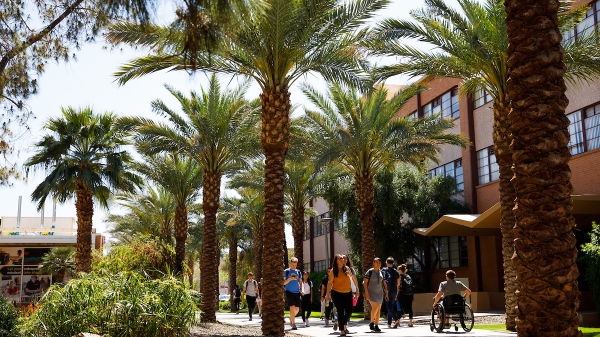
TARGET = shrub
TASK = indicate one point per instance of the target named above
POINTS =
(591, 253)
(146, 255)
(8, 317)
(124, 304)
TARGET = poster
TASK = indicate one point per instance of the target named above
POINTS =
(33, 256)
(11, 256)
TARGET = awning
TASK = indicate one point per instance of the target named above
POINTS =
(488, 223)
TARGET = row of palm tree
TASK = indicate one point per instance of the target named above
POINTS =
(276, 43)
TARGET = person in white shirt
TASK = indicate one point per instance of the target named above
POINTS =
(306, 298)
(250, 291)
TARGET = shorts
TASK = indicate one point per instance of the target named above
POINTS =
(293, 299)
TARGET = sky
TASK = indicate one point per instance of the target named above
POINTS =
(88, 81)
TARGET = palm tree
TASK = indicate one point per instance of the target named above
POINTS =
(218, 129)
(545, 247)
(472, 45)
(182, 178)
(364, 135)
(83, 158)
(150, 213)
(60, 261)
(275, 43)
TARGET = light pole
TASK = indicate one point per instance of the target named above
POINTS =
(325, 222)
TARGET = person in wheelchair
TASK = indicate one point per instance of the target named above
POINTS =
(450, 287)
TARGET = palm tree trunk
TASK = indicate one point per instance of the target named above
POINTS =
(502, 138)
(365, 200)
(298, 233)
(545, 247)
(191, 270)
(181, 233)
(232, 266)
(258, 251)
(275, 140)
(211, 193)
(85, 212)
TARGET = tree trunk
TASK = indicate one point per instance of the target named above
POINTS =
(191, 271)
(298, 233)
(502, 138)
(365, 200)
(545, 247)
(85, 212)
(211, 192)
(232, 267)
(258, 251)
(275, 141)
(181, 233)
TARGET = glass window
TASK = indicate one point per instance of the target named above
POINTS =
(306, 229)
(487, 167)
(586, 25)
(452, 252)
(412, 115)
(480, 98)
(592, 127)
(453, 169)
(447, 105)
(576, 132)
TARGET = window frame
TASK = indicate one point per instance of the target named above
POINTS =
(584, 115)
(442, 171)
(489, 152)
(436, 103)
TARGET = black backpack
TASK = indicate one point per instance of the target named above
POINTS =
(237, 292)
(406, 285)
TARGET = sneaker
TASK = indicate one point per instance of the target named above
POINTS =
(335, 326)
(377, 328)
(372, 326)
(307, 324)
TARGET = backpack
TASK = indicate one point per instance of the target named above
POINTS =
(255, 285)
(406, 285)
(237, 293)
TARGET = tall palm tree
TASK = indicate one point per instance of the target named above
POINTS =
(218, 129)
(60, 261)
(545, 247)
(183, 178)
(83, 156)
(364, 135)
(471, 45)
(150, 213)
(275, 43)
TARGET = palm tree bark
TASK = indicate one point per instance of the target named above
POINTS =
(365, 200)
(181, 232)
(191, 271)
(258, 252)
(275, 140)
(545, 247)
(298, 233)
(502, 138)
(85, 212)
(232, 267)
(211, 193)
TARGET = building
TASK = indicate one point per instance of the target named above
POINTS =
(471, 244)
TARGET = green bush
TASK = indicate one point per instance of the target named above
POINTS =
(146, 255)
(591, 253)
(8, 317)
(123, 304)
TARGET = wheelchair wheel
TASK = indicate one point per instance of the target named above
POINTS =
(467, 319)
(438, 319)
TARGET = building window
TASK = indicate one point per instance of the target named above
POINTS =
(447, 105)
(487, 166)
(586, 26)
(452, 251)
(306, 229)
(585, 135)
(481, 97)
(453, 169)
(412, 115)
(320, 265)
(341, 221)
(412, 262)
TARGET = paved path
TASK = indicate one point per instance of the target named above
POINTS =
(359, 328)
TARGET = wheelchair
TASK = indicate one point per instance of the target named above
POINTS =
(456, 309)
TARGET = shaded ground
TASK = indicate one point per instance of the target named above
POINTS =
(219, 329)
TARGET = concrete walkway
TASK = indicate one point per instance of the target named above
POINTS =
(361, 328)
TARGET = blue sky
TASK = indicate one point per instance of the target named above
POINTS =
(89, 82)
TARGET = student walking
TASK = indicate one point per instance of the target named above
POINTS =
(392, 281)
(250, 290)
(293, 287)
(340, 291)
(406, 294)
(307, 286)
(353, 285)
(326, 305)
(375, 292)
(237, 294)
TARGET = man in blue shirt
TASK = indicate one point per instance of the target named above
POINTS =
(293, 290)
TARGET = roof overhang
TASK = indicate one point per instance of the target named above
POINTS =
(488, 223)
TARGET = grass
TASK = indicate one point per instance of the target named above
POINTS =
(587, 332)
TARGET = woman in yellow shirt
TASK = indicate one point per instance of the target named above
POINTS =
(339, 291)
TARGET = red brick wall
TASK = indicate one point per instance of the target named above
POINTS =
(585, 169)
(438, 87)
(409, 107)
(487, 196)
